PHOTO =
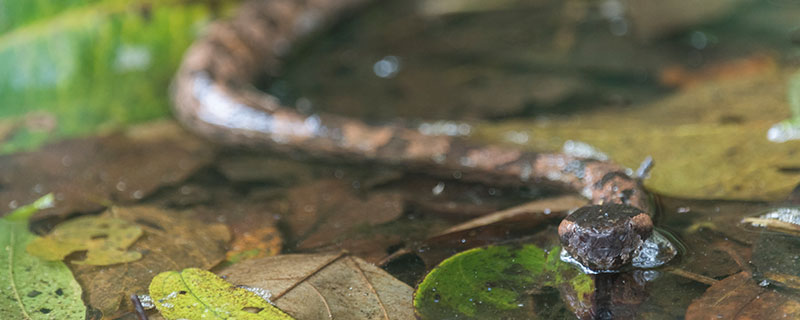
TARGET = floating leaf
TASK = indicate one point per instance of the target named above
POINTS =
(172, 240)
(740, 297)
(31, 287)
(326, 286)
(198, 294)
(496, 282)
(105, 239)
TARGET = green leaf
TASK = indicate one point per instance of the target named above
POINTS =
(105, 239)
(495, 282)
(33, 288)
(25, 212)
(198, 294)
(92, 64)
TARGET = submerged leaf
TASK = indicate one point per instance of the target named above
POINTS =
(33, 288)
(326, 286)
(86, 175)
(172, 240)
(496, 282)
(198, 294)
(740, 297)
(105, 239)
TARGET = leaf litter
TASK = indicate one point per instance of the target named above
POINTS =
(198, 294)
(325, 286)
(171, 240)
(86, 175)
(104, 238)
(32, 287)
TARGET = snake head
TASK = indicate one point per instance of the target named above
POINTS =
(605, 237)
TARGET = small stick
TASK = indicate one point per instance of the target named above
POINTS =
(137, 306)
(644, 168)
(693, 276)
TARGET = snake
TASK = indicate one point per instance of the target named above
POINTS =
(213, 95)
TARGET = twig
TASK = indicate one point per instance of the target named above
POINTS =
(644, 168)
(693, 276)
(138, 308)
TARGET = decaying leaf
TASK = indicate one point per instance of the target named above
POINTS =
(250, 168)
(171, 240)
(86, 174)
(497, 282)
(700, 149)
(326, 286)
(105, 238)
(740, 297)
(198, 294)
(776, 260)
(323, 211)
(259, 243)
(33, 288)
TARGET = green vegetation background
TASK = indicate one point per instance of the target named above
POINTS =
(92, 64)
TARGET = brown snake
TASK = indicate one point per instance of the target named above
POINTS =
(214, 97)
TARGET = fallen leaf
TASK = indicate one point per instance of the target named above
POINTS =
(701, 151)
(323, 211)
(740, 297)
(34, 288)
(171, 240)
(457, 199)
(259, 243)
(198, 294)
(326, 286)
(496, 282)
(251, 168)
(87, 174)
(105, 239)
(679, 76)
(775, 259)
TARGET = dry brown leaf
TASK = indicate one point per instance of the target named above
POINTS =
(171, 241)
(86, 174)
(326, 286)
(740, 297)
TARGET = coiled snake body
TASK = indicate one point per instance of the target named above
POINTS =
(213, 96)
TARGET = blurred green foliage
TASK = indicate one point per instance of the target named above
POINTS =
(92, 64)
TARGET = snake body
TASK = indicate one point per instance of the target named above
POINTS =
(213, 96)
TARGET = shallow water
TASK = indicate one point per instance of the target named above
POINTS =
(532, 62)
(527, 74)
